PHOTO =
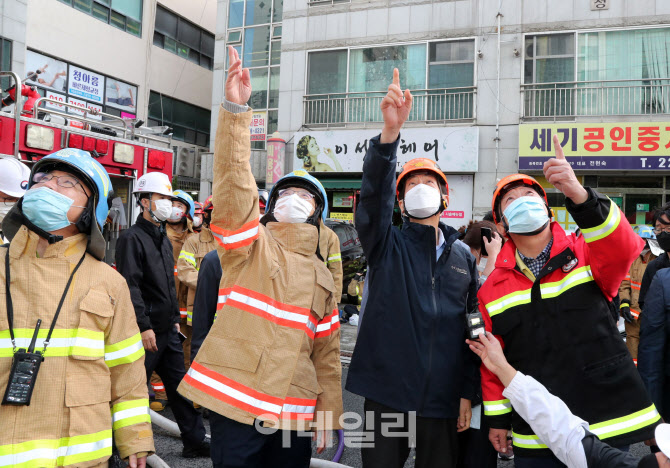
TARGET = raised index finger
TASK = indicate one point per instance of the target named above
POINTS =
(396, 77)
(558, 149)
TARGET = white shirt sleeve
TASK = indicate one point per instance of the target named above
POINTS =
(550, 419)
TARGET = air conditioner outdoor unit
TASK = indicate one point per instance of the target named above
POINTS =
(185, 162)
(197, 164)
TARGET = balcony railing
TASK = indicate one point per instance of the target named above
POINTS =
(596, 98)
(430, 105)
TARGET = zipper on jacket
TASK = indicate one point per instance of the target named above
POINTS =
(432, 332)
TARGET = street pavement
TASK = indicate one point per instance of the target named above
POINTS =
(169, 448)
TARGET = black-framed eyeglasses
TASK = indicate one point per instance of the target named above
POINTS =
(65, 181)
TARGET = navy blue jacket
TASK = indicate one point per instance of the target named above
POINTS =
(206, 299)
(653, 353)
(410, 353)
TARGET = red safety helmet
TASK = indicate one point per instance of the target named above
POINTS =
(508, 183)
(207, 206)
(198, 208)
(422, 165)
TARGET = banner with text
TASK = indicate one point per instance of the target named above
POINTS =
(455, 149)
(601, 146)
(86, 84)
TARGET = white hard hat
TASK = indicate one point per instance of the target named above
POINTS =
(154, 182)
(14, 177)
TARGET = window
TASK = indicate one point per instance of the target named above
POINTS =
(256, 46)
(5, 62)
(347, 86)
(190, 123)
(123, 14)
(179, 36)
(550, 59)
(628, 72)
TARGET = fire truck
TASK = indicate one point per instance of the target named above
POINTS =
(124, 148)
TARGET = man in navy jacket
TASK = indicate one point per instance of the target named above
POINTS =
(410, 361)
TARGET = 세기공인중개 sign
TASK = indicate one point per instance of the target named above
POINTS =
(600, 146)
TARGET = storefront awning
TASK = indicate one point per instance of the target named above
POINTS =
(351, 184)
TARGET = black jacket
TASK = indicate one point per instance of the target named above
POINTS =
(653, 358)
(656, 264)
(410, 353)
(206, 299)
(144, 258)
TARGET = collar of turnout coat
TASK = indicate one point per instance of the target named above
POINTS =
(25, 243)
(300, 238)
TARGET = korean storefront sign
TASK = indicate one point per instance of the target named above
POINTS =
(455, 149)
(598, 146)
(85, 84)
(459, 212)
(343, 200)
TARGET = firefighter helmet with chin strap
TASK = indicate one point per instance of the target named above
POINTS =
(90, 172)
(186, 199)
(301, 179)
(511, 182)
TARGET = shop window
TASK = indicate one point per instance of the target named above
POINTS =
(123, 14)
(630, 182)
(179, 36)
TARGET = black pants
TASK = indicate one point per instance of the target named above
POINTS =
(435, 439)
(237, 445)
(474, 448)
(168, 362)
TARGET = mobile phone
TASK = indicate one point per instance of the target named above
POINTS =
(486, 232)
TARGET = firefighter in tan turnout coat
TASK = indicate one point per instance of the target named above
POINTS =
(92, 383)
(273, 353)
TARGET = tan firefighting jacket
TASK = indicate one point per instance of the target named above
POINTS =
(629, 291)
(329, 246)
(273, 353)
(192, 252)
(177, 239)
(92, 383)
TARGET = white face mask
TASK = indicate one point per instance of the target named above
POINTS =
(422, 201)
(4, 209)
(197, 221)
(176, 215)
(163, 209)
(292, 209)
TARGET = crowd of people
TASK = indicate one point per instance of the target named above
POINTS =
(218, 305)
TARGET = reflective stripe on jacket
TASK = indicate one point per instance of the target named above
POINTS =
(177, 239)
(329, 247)
(559, 329)
(92, 383)
(188, 264)
(629, 291)
(273, 353)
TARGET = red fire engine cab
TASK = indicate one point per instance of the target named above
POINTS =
(125, 150)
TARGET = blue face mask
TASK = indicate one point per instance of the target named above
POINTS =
(526, 215)
(46, 208)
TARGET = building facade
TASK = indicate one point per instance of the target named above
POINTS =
(135, 59)
(492, 82)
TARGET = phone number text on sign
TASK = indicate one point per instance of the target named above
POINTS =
(258, 126)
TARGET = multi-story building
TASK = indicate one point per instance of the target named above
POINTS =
(138, 59)
(492, 81)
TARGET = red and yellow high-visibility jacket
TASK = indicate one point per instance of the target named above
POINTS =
(559, 329)
(273, 352)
